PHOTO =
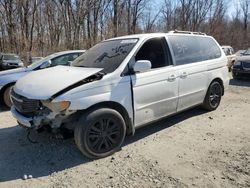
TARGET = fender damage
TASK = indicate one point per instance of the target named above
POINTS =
(35, 111)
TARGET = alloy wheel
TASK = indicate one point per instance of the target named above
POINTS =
(103, 135)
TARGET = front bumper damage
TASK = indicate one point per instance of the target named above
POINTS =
(54, 120)
(24, 121)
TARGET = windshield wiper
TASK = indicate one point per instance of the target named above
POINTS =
(103, 73)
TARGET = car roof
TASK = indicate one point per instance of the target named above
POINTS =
(139, 36)
(148, 35)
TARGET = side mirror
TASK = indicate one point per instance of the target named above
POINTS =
(45, 64)
(142, 66)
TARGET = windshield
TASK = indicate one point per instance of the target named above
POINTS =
(10, 57)
(107, 55)
(247, 52)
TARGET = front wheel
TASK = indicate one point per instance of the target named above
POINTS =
(6, 96)
(213, 96)
(100, 133)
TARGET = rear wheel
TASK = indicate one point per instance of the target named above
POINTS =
(100, 133)
(6, 96)
(213, 96)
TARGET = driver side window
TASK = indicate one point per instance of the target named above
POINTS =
(154, 50)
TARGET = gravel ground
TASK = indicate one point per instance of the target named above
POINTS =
(193, 149)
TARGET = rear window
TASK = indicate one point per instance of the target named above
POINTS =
(191, 49)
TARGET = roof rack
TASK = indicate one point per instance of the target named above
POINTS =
(187, 32)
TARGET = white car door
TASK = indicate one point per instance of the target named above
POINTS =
(192, 55)
(193, 80)
(155, 92)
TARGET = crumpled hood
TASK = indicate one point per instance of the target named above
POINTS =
(45, 83)
(13, 71)
(244, 58)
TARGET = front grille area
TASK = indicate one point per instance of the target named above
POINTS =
(24, 105)
(13, 64)
(246, 65)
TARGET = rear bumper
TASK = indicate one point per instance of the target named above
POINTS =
(24, 121)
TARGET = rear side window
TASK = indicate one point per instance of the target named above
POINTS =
(191, 49)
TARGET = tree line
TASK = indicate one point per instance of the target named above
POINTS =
(45, 26)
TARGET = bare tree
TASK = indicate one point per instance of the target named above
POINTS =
(43, 27)
(10, 8)
(169, 14)
(245, 6)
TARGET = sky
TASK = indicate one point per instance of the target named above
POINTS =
(231, 5)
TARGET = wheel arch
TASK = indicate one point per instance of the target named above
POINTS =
(4, 88)
(119, 108)
(221, 83)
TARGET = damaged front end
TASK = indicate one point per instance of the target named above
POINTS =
(34, 114)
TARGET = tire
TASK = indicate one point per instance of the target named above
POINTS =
(6, 96)
(100, 133)
(213, 96)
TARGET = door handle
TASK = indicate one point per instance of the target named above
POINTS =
(184, 75)
(171, 78)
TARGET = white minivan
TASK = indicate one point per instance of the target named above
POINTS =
(121, 84)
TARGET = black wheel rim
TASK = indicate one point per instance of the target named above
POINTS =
(215, 95)
(104, 135)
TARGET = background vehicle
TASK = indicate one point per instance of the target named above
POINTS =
(229, 51)
(10, 61)
(241, 68)
(34, 59)
(8, 78)
(122, 84)
(239, 52)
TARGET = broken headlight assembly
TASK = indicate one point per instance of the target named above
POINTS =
(56, 106)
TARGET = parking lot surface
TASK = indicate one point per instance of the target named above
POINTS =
(192, 149)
